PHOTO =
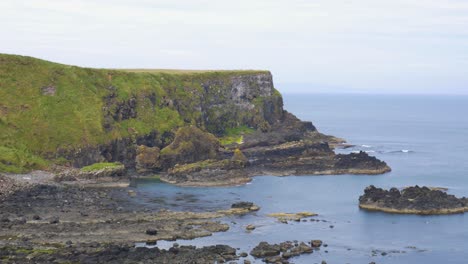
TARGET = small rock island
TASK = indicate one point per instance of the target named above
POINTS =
(412, 200)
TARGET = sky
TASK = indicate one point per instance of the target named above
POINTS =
(333, 46)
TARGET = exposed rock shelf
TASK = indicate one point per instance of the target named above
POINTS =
(412, 200)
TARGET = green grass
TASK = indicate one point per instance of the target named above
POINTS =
(101, 165)
(235, 135)
(187, 71)
(19, 160)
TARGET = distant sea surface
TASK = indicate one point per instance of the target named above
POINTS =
(424, 139)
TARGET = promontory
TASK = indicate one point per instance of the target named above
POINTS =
(191, 127)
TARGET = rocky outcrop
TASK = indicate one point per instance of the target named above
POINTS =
(292, 216)
(208, 173)
(190, 145)
(147, 159)
(303, 157)
(280, 253)
(244, 99)
(117, 253)
(240, 208)
(128, 117)
(412, 200)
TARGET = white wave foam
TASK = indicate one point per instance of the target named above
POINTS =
(405, 150)
(366, 146)
(370, 151)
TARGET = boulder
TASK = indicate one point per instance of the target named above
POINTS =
(147, 159)
(190, 145)
(250, 227)
(264, 249)
(151, 232)
(316, 243)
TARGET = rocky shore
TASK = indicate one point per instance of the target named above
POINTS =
(45, 221)
(292, 147)
(412, 200)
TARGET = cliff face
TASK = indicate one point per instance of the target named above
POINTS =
(53, 113)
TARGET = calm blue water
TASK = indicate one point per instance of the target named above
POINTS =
(433, 133)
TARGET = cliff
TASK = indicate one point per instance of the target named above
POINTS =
(201, 127)
(51, 112)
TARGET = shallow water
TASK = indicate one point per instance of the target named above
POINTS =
(423, 138)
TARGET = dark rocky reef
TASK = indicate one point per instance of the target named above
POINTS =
(118, 253)
(412, 200)
(281, 253)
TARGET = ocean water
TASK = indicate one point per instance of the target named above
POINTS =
(424, 139)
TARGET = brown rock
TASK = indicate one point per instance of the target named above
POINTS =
(147, 159)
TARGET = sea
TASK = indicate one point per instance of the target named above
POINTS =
(423, 138)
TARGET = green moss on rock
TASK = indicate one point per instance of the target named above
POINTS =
(190, 144)
(147, 159)
(101, 165)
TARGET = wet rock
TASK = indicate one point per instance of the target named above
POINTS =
(304, 248)
(316, 243)
(54, 220)
(285, 246)
(412, 200)
(147, 159)
(250, 227)
(287, 255)
(244, 205)
(291, 216)
(36, 217)
(275, 259)
(151, 232)
(151, 242)
(264, 249)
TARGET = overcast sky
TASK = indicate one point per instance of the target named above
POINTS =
(385, 46)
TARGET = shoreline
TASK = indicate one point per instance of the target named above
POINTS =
(244, 180)
(375, 208)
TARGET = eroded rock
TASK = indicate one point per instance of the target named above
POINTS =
(412, 200)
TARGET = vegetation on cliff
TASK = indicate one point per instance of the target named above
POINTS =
(190, 145)
(47, 109)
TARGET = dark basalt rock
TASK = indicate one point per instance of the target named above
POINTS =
(114, 253)
(359, 160)
(416, 200)
(151, 232)
(270, 253)
(244, 205)
(264, 249)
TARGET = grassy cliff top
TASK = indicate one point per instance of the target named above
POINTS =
(6, 58)
(186, 71)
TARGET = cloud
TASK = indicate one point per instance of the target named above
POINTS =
(399, 44)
